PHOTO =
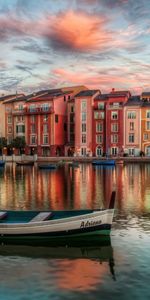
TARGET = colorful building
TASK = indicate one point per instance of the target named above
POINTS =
(84, 102)
(132, 126)
(145, 127)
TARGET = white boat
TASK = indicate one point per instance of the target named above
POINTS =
(54, 225)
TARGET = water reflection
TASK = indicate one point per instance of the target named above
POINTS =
(27, 187)
(75, 267)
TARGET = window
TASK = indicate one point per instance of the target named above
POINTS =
(131, 125)
(99, 115)
(45, 107)
(99, 127)
(131, 138)
(145, 137)
(114, 138)
(83, 105)
(32, 108)
(131, 151)
(83, 138)
(45, 128)
(100, 105)
(114, 115)
(114, 127)
(131, 115)
(9, 129)
(20, 107)
(99, 151)
(9, 119)
(64, 98)
(56, 118)
(83, 127)
(33, 139)
(99, 138)
(71, 118)
(20, 128)
(114, 151)
(19, 118)
(72, 108)
(148, 114)
(32, 118)
(83, 151)
(33, 128)
(65, 126)
(83, 116)
(148, 125)
(45, 118)
(45, 139)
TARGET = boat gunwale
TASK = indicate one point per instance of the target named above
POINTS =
(29, 224)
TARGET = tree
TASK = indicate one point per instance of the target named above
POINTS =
(19, 143)
(3, 143)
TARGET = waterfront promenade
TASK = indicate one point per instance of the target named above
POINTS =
(130, 159)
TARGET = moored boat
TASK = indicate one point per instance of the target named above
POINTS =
(104, 162)
(25, 163)
(53, 225)
(2, 163)
(48, 166)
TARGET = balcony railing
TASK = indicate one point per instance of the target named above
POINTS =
(33, 111)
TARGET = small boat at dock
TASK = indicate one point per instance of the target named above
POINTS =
(2, 163)
(55, 225)
(48, 166)
(103, 162)
(25, 163)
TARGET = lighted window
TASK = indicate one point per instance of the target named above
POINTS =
(45, 118)
(131, 125)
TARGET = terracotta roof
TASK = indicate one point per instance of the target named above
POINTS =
(87, 93)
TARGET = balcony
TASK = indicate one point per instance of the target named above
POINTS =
(33, 111)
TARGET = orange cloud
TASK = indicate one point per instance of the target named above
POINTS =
(78, 31)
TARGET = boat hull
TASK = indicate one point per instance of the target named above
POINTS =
(76, 227)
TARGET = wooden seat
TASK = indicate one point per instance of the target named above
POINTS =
(3, 215)
(42, 216)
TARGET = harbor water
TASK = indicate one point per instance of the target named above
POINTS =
(117, 268)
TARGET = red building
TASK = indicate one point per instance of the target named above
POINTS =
(115, 122)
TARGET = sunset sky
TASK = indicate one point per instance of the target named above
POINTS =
(102, 44)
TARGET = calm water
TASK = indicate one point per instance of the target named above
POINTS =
(118, 269)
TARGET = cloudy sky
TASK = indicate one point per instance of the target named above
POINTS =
(102, 44)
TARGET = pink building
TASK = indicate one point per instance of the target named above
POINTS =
(84, 102)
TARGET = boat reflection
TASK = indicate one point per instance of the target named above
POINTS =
(97, 249)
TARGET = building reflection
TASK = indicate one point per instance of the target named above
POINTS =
(24, 187)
